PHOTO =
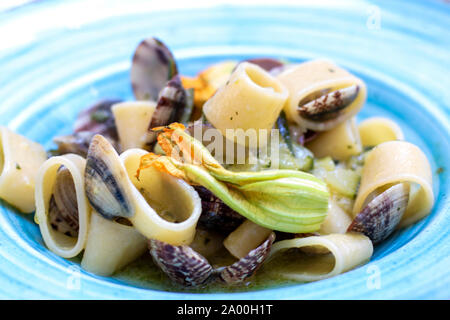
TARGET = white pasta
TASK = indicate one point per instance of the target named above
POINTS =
(337, 220)
(110, 246)
(61, 244)
(251, 99)
(20, 160)
(132, 121)
(332, 188)
(245, 238)
(340, 143)
(376, 130)
(166, 199)
(394, 162)
(310, 77)
(327, 256)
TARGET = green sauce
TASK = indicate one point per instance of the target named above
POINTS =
(145, 274)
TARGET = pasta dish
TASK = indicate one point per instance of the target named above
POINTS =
(250, 170)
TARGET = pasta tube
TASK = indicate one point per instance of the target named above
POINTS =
(308, 81)
(340, 143)
(337, 220)
(322, 257)
(111, 246)
(167, 209)
(61, 244)
(395, 162)
(376, 130)
(251, 99)
(20, 160)
(132, 121)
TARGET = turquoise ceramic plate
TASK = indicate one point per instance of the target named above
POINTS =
(58, 57)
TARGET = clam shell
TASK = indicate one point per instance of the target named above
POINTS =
(171, 103)
(181, 263)
(216, 215)
(63, 208)
(77, 143)
(57, 222)
(382, 214)
(247, 266)
(184, 265)
(267, 64)
(98, 119)
(106, 188)
(152, 66)
(327, 105)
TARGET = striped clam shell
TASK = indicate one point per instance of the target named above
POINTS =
(152, 66)
(63, 207)
(171, 103)
(187, 267)
(267, 64)
(106, 188)
(97, 119)
(180, 263)
(216, 215)
(382, 214)
(248, 265)
(325, 105)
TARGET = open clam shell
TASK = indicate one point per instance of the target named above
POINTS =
(185, 266)
(379, 218)
(181, 263)
(171, 103)
(329, 105)
(158, 205)
(267, 64)
(216, 215)
(77, 143)
(394, 162)
(248, 265)
(98, 119)
(152, 66)
(64, 245)
(107, 186)
(322, 95)
(63, 207)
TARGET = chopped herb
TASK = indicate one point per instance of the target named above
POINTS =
(283, 127)
(18, 167)
(349, 146)
(231, 118)
(440, 170)
(100, 116)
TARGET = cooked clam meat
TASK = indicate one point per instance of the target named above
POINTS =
(326, 104)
